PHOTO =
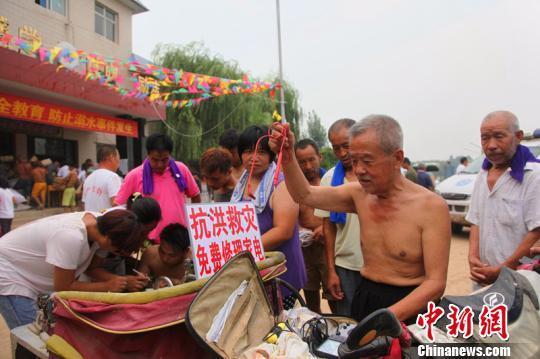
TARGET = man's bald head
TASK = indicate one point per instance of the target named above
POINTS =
(507, 116)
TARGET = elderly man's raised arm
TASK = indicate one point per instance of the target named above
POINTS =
(338, 199)
(436, 236)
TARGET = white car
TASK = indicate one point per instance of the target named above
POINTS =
(457, 189)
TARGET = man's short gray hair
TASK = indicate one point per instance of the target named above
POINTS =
(339, 124)
(512, 119)
(387, 129)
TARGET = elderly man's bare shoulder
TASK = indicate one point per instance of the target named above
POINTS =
(355, 188)
(433, 216)
(357, 192)
(425, 198)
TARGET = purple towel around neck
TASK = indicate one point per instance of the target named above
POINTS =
(148, 182)
(518, 163)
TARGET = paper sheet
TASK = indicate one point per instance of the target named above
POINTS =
(218, 323)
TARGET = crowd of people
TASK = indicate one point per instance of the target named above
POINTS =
(35, 180)
(370, 231)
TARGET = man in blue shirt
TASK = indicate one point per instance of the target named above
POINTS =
(423, 178)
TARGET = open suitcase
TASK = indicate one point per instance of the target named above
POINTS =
(251, 316)
(250, 319)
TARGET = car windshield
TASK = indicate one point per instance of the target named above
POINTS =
(476, 165)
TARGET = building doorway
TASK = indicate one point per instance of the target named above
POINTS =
(57, 149)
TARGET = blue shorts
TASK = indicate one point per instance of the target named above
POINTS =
(350, 280)
(17, 310)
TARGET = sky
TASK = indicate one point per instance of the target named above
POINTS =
(438, 67)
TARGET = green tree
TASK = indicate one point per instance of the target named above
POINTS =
(316, 130)
(194, 129)
(329, 158)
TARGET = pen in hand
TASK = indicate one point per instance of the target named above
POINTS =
(141, 274)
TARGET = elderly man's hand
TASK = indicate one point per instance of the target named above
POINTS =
(489, 274)
(334, 286)
(280, 133)
(318, 234)
(474, 265)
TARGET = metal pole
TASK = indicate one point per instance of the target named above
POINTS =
(282, 92)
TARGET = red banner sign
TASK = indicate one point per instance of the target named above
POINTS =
(21, 108)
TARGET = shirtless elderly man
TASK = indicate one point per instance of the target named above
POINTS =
(405, 228)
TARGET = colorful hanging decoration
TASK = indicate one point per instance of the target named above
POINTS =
(172, 87)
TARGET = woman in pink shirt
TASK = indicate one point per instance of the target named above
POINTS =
(165, 180)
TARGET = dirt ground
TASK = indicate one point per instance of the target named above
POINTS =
(458, 269)
(23, 217)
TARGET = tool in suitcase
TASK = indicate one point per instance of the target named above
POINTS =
(232, 317)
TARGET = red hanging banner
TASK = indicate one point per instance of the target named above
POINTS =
(21, 108)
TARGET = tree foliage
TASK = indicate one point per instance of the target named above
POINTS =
(329, 158)
(315, 129)
(194, 129)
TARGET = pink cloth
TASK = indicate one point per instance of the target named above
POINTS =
(129, 317)
(529, 266)
(166, 192)
(93, 341)
(398, 344)
(88, 332)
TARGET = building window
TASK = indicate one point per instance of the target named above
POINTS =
(106, 22)
(58, 6)
(57, 149)
(7, 144)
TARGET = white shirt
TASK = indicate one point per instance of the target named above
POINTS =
(460, 168)
(347, 247)
(6, 204)
(505, 214)
(82, 176)
(99, 188)
(63, 171)
(28, 254)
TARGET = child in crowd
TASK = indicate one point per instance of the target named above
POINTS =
(39, 189)
(168, 258)
(68, 198)
(7, 201)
